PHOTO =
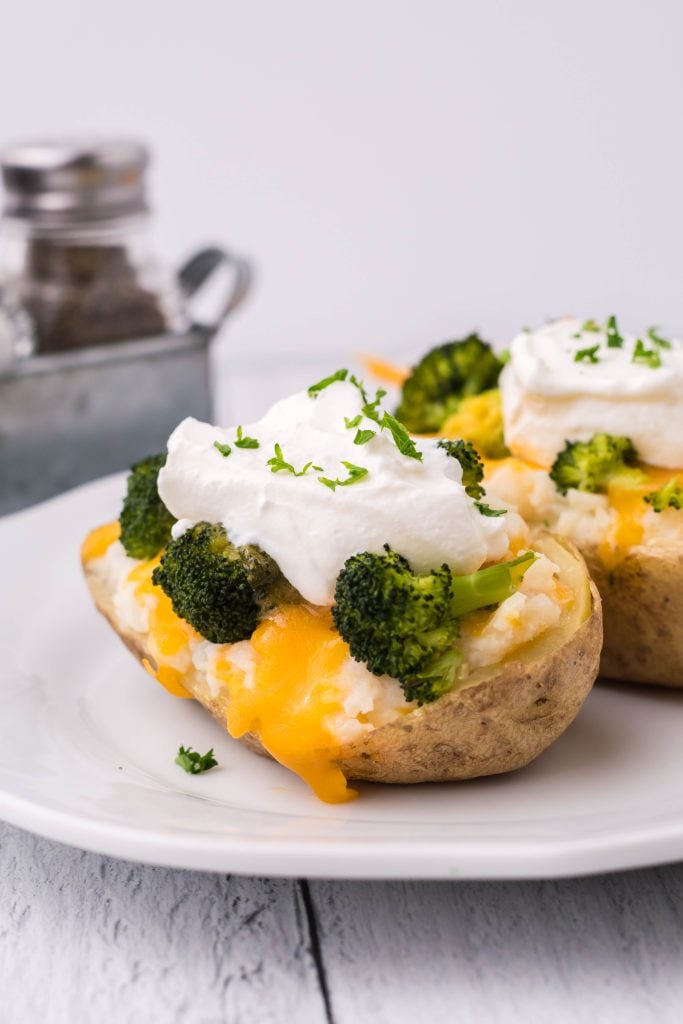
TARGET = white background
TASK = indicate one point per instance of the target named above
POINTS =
(399, 171)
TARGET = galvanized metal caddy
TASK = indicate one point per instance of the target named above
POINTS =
(70, 417)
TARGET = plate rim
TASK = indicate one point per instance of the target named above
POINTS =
(352, 858)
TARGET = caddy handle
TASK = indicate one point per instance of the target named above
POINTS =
(198, 270)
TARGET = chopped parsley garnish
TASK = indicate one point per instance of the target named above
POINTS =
(371, 411)
(193, 762)
(649, 356)
(587, 355)
(278, 463)
(315, 389)
(224, 449)
(402, 438)
(370, 408)
(486, 510)
(359, 384)
(657, 339)
(245, 442)
(356, 473)
(588, 327)
(614, 338)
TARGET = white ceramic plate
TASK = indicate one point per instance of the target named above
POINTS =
(88, 740)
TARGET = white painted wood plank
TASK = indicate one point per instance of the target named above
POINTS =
(604, 949)
(85, 938)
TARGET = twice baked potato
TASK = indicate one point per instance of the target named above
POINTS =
(584, 436)
(500, 717)
(371, 619)
(641, 582)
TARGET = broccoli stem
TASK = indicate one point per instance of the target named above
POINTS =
(489, 586)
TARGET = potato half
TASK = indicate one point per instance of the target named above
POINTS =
(642, 601)
(502, 717)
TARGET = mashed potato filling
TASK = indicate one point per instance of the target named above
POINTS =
(613, 522)
(294, 683)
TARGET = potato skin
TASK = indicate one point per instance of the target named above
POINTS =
(496, 725)
(499, 722)
(642, 602)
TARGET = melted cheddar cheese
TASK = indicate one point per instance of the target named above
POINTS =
(289, 700)
(517, 465)
(169, 635)
(170, 679)
(99, 540)
(630, 508)
(387, 373)
(625, 500)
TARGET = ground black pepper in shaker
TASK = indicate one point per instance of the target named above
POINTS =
(75, 255)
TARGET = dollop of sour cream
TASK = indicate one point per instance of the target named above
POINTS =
(550, 397)
(419, 508)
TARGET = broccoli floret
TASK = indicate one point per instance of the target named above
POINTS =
(442, 378)
(220, 589)
(668, 496)
(592, 465)
(406, 624)
(472, 466)
(145, 521)
(480, 420)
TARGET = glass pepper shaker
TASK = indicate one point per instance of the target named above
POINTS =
(75, 256)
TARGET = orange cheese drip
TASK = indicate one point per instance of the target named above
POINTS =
(298, 656)
(515, 464)
(168, 634)
(98, 541)
(387, 373)
(627, 530)
(170, 679)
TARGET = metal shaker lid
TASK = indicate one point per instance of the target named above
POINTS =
(63, 183)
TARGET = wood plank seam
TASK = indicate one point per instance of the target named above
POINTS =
(316, 947)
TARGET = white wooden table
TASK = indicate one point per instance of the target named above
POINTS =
(85, 938)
